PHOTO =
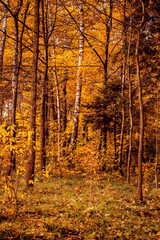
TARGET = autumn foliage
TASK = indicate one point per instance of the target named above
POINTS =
(79, 91)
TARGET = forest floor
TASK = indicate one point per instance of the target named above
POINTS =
(77, 208)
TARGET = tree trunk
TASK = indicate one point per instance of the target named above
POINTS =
(130, 102)
(2, 46)
(57, 88)
(79, 78)
(31, 163)
(104, 135)
(64, 104)
(58, 105)
(108, 30)
(14, 92)
(156, 164)
(115, 140)
(100, 140)
(122, 88)
(105, 64)
(64, 116)
(140, 152)
(44, 88)
(15, 76)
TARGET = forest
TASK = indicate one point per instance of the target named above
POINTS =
(79, 119)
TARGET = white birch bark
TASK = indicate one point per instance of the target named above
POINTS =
(2, 45)
(79, 78)
(57, 91)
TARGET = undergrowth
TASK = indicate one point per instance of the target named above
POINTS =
(81, 208)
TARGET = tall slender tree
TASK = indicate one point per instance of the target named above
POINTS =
(141, 109)
(15, 75)
(44, 84)
(2, 47)
(58, 105)
(108, 28)
(64, 93)
(123, 78)
(79, 77)
(130, 97)
(31, 162)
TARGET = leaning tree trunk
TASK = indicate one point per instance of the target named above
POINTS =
(79, 78)
(31, 163)
(2, 46)
(141, 137)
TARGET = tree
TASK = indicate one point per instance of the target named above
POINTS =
(129, 97)
(140, 152)
(2, 46)
(15, 76)
(64, 97)
(31, 162)
(44, 85)
(52, 26)
(123, 87)
(79, 77)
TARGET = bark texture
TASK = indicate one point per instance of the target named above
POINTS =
(141, 137)
(122, 88)
(15, 76)
(130, 101)
(79, 78)
(2, 46)
(31, 163)
(44, 87)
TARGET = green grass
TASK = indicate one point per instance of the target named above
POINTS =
(79, 208)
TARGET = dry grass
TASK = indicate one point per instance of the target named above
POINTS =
(81, 208)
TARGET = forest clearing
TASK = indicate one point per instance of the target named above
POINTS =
(76, 207)
(79, 119)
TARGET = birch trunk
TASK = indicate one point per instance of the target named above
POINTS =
(57, 89)
(64, 105)
(58, 105)
(2, 46)
(79, 78)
